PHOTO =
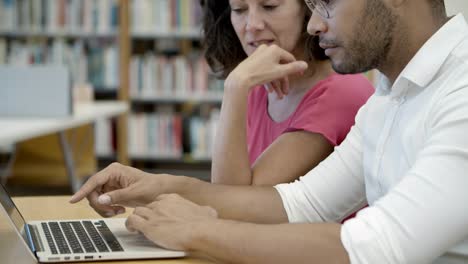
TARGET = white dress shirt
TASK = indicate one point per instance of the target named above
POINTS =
(406, 156)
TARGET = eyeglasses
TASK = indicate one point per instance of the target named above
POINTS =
(319, 6)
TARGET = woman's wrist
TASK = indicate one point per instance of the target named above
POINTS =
(236, 82)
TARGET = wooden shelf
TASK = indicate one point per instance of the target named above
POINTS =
(185, 158)
(155, 157)
(58, 33)
(196, 98)
(194, 34)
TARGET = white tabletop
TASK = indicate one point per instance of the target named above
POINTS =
(16, 129)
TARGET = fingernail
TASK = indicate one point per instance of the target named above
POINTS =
(121, 211)
(104, 199)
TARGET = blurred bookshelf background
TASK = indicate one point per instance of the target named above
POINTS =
(143, 52)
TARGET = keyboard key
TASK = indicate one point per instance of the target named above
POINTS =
(71, 237)
(83, 237)
(59, 238)
(95, 237)
(49, 238)
(109, 237)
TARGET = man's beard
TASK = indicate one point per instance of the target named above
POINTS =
(373, 37)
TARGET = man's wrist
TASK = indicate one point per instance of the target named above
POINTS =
(200, 235)
(186, 186)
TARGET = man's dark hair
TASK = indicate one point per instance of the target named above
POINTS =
(223, 50)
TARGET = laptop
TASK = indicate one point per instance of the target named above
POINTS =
(70, 240)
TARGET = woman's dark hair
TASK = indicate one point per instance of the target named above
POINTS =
(223, 50)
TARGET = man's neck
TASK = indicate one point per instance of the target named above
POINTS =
(412, 36)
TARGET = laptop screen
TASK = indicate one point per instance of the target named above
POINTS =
(11, 210)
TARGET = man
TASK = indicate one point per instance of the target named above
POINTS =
(407, 156)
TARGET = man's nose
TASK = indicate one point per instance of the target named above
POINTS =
(316, 24)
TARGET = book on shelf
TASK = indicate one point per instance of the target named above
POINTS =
(160, 76)
(55, 16)
(99, 66)
(202, 133)
(165, 16)
(155, 135)
(160, 135)
(103, 146)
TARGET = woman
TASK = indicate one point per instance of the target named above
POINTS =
(280, 116)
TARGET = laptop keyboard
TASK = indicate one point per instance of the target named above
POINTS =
(79, 237)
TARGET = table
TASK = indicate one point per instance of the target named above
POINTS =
(45, 208)
(14, 130)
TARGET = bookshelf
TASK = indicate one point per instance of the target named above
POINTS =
(174, 100)
(86, 36)
(144, 52)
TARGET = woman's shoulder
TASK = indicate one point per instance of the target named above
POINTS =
(340, 91)
(345, 86)
(351, 82)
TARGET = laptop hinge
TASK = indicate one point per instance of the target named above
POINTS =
(33, 238)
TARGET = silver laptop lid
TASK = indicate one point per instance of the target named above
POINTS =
(11, 210)
(13, 245)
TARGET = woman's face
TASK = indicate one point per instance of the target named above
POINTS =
(268, 22)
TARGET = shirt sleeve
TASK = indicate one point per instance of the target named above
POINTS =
(426, 213)
(332, 107)
(333, 189)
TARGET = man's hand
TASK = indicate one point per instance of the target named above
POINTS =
(117, 186)
(170, 220)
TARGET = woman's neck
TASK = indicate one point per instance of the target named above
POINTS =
(317, 71)
(280, 109)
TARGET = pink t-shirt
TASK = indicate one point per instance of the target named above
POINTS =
(328, 108)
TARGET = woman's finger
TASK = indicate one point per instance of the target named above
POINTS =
(285, 85)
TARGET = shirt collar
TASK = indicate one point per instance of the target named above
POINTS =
(429, 59)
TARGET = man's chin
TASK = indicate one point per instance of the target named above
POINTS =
(343, 68)
(339, 67)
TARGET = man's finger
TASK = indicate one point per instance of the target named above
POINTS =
(136, 223)
(143, 212)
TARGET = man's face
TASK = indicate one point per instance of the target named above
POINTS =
(358, 35)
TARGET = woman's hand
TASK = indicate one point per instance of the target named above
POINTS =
(170, 221)
(268, 65)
